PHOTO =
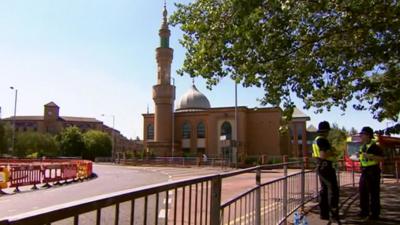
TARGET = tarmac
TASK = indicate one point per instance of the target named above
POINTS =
(349, 207)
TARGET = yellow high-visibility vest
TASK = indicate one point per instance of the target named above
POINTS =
(367, 162)
(316, 151)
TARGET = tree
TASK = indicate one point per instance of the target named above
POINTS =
(353, 131)
(35, 144)
(97, 144)
(5, 137)
(327, 53)
(71, 142)
(337, 137)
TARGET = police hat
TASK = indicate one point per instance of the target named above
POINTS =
(368, 131)
(324, 126)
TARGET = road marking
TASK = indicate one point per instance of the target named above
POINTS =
(247, 216)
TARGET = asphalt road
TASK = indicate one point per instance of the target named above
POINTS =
(111, 178)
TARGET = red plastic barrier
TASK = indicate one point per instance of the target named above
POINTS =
(89, 168)
(69, 171)
(52, 173)
(25, 175)
(35, 171)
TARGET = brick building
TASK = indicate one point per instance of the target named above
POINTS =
(196, 128)
(51, 122)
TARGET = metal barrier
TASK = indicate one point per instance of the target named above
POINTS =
(193, 201)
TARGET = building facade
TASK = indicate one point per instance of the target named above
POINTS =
(51, 122)
(196, 128)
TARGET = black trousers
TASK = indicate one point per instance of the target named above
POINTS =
(329, 194)
(370, 190)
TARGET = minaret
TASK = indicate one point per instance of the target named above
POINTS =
(163, 91)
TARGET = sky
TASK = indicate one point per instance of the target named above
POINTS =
(97, 57)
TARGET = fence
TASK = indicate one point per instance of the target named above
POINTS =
(194, 201)
(27, 172)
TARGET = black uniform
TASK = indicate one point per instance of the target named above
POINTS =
(329, 194)
(370, 185)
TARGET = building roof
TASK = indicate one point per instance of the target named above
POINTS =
(298, 114)
(193, 100)
(311, 128)
(25, 118)
(65, 118)
(80, 119)
(51, 104)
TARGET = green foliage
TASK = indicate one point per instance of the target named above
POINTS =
(275, 160)
(71, 142)
(252, 160)
(353, 131)
(5, 137)
(337, 137)
(35, 144)
(97, 144)
(325, 52)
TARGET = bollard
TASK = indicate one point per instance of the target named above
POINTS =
(285, 192)
(258, 196)
(353, 174)
(397, 171)
(303, 184)
(316, 185)
(381, 166)
(215, 215)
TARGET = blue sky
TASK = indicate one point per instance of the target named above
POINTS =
(96, 57)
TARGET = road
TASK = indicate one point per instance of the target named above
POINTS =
(111, 178)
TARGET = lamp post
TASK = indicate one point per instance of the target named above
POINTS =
(173, 125)
(112, 137)
(236, 142)
(14, 118)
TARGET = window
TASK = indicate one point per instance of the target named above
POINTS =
(226, 130)
(299, 132)
(150, 132)
(201, 130)
(186, 130)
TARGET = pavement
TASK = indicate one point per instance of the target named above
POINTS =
(349, 207)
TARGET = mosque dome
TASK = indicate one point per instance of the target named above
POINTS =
(193, 100)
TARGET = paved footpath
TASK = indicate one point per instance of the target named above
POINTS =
(349, 208)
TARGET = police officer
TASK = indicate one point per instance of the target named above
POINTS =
(325, 155)
(370, 156)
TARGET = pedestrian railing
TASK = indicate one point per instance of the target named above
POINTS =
(193, 201)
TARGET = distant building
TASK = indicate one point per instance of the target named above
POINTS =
(195, 128)
(51, 122)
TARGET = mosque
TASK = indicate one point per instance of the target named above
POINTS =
(195, 128)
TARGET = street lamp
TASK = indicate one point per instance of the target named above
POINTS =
(235, 152)
(173, 125)
(14, 118)
(112, 137)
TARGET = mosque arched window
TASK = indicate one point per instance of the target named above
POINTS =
(186, 130)
(201, 130)
(150, 132)
(226, 130)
